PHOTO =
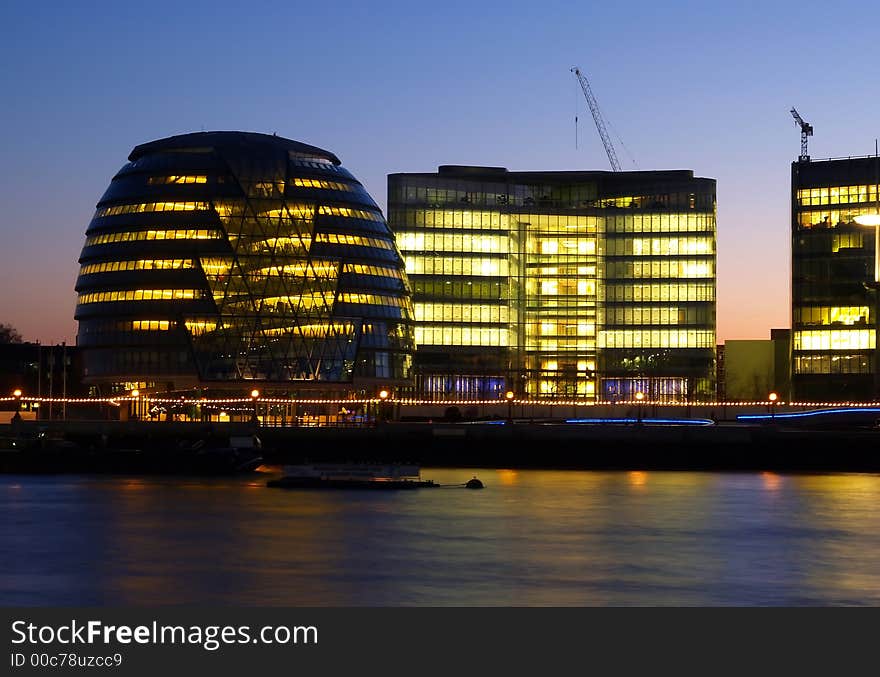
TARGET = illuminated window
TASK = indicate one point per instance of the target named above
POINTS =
(150, 325)
(374, 299)
(321, 183)
(460, 312)
(455, 265)
(163, 180)
(152, 207)
(460, 336)
(139, 295)
(657, 338)
(378, 271)
(358, 240)
(834, 339)
(145, 264)
(350, 213)
(139, 235)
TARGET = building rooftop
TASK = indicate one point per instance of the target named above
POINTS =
(212, 139)
(479, 173)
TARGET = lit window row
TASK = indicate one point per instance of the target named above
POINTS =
(832, 364)
(580, 365)
(832, 315)
(561, 270)
(834, 339)
(311, 269)
(562, 387)
(832, 218)
(662, 269)
(621, 202)
(312, 330)
(657, 338)
(662, 315)
(350, 213)
(659, 292)
(455, 265)
(659, 223)
(321, 183)
(322, 299)
(138, 235)
(199, 327)
(460, 312)
(105, 327)
(285, 245)
(144, 264)
(659, 246)
(568, 287)
(288, 212)
(374, 299)
(178, 179)
(378, 271)
(152, 207)
(360, 240)
(444, 335)
(833, 195)
(553, 223)
(847, 241)
(476, 220)
(449, 242)
(562, 328)
(151, 325)
(560, 344)
(581, 246)
(139, 295)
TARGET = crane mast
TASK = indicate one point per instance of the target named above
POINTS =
(597, 117)
(806, 130)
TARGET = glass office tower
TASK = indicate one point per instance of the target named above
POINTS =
(559, 285)
(220, 259)
(833, 280)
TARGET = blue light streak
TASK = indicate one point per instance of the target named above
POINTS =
(805, 414)
(644, 421)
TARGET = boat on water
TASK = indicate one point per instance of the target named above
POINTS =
(351, 476)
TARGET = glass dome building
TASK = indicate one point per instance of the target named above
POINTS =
(219, 258)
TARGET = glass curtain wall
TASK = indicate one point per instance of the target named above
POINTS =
(559, 285)
(833, 292)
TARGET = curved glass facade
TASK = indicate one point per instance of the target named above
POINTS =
(219, 257)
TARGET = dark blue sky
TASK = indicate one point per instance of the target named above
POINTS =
(393, 87)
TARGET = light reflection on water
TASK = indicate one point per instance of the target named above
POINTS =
(530, 538)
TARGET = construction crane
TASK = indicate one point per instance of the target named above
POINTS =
(806, 130)
(597, 117)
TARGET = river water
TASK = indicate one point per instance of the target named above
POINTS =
(531, 538)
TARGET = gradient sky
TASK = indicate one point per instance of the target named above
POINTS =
(404, 87)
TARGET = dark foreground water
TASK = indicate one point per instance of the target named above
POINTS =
(530, 538)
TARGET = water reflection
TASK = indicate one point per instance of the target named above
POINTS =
(529, 538)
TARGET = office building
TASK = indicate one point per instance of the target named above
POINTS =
(559, 285)
(833, 291)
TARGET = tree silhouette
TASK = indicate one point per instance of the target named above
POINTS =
(9, 334)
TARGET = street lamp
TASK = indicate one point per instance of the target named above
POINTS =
(509, 397)
(383, 397)
(772, 397)
(17, 393)
(135, 394)
(255, 394)
(640, 397)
